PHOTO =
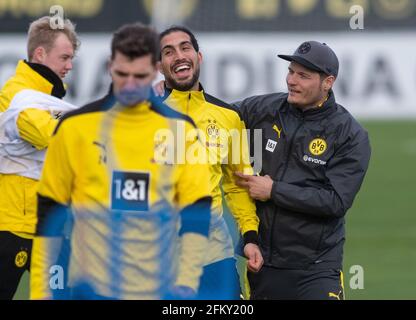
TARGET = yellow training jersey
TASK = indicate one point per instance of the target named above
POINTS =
(109, 164)
(17, 193)
(223, 134)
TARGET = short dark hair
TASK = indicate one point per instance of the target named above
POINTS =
(136, 40)
(323, 75)
(181, 29)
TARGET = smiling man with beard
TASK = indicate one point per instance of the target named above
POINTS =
(315, 157)
(126, 202)
(180, 64)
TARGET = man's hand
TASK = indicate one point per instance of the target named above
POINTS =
(259, 188)
(255, 259)
(159, 88)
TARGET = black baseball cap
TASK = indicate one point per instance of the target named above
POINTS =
(315, 56)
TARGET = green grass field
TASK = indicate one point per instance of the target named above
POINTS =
(381, 226)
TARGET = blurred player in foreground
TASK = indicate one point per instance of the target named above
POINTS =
(107, 162)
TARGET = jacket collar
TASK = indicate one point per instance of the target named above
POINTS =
(325, 110)
(54, 83)
(169, 91)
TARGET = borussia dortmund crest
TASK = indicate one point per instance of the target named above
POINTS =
(21, 259)
(317, 147)
(212, 129)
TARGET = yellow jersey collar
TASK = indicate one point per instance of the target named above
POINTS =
(140, 108)
(185, 95)
(42, 77)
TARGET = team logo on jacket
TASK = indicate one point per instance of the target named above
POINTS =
(317, 147)
(21, 259)
(212, 130)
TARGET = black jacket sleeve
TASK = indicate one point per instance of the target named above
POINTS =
(345, 174)
(241, 107)
(254, 109)
(51, 217)
(249, 108)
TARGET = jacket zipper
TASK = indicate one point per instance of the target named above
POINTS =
(187, 105)
(281, 178)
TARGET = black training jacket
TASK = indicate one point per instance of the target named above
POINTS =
(318, 160)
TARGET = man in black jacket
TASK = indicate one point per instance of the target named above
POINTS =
(314, 159)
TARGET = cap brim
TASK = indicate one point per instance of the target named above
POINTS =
(301, 61)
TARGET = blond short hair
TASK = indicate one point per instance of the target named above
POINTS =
(41, 34)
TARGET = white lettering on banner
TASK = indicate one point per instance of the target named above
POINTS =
(376, 80)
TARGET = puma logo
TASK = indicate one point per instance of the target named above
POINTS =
(279, 131)
(336, 296)
(103, 155)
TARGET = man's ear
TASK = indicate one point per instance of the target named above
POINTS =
(200, 59)
(329, 83)
(39, 55)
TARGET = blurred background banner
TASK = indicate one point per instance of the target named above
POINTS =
(240, 40)
(216, 15)
(377, 77)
